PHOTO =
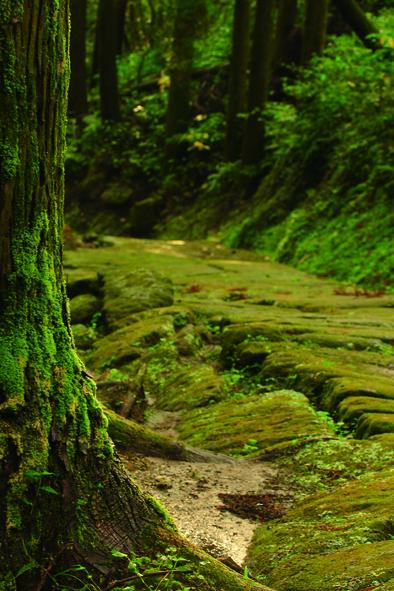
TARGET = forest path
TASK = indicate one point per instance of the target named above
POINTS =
(227, 351)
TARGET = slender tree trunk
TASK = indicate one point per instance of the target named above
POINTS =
(260, 78)
(285, 27)
(178, 109)
(122, 9)
(355, 17)
(238, 77)
(107, 45)
(315, 28)
(78, 99)
(188, 18)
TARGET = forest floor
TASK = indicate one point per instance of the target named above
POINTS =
(283, 378)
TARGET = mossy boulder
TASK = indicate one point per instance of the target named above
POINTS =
(134, 291)
(354, 407)
(333, 528)
(361, 567)
(80, 281)
(338, 389)
(384, 439)
(190, 387)
(84, 336)
(127, 344)
(375, 424)
(253, 423)
(83, 307)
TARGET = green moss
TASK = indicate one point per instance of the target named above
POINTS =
(188, 387)
(319, 530)
(9, 156)
(278, 417)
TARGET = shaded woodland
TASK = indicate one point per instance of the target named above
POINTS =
(142, 142)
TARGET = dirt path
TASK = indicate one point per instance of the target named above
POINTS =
(190, 493)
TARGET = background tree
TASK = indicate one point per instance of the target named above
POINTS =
(238, 77)
(189, 17)
(314, 29)
(78, 99)
(107, 49)
(260, 79)
(356, 18)
(286, 22)
(64, 496)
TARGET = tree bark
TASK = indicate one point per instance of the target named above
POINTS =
(78, 99)
(188, 18)
(315, 28)
(120, 36)
(260, 78)
(65, 499)
(238, 78)
(285, 27)
(355, 17)
(107, 46)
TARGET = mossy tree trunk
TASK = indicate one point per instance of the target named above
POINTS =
(355, 17)
(78, 99)
(315, 28)
(107, 47)
(188, 18)
(64, 496)
(260, 79)
(61, 487)
(238, 77)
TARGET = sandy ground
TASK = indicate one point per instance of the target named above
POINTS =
(190, 493)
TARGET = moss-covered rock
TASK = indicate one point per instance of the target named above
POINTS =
(384, 439)
(134, 291)
(190, 387)
(83, 307)
(354, 407)
(84, 336)
(116, 195)
(360, 567)
(375, 424)
(251, 424)
(357, 516)
(338, 389)
(126, 344)
(80, 281)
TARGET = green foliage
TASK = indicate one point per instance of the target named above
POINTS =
(324, 464)
(331, 156)
(163, 572)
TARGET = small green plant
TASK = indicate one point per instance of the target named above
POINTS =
(250, 446)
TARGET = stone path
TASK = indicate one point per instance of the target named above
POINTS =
(229, 352)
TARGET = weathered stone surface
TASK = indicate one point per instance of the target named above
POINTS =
(83, 336)
(134, 291)
(359, 567)
(191, 387)
(81, 281)
(337, 529)
(278, 417)
(126, 344)
(83, 307)
(353, 408)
